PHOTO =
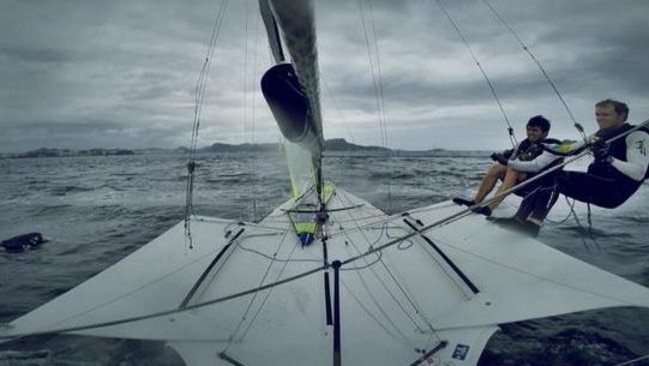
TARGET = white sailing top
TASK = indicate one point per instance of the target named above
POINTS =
(637, 145)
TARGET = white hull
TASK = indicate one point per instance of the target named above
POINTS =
(396, 304)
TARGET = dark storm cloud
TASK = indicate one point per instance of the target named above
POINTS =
(123, 73)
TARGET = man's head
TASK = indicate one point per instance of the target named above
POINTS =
(611, 113)
(538, 128)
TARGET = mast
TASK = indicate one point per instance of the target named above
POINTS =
(292, 89)
(274, 40)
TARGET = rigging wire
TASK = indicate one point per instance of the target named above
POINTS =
(365, 266)
(375, 70)
(373, 56)
(376, 301)
(572, 213)
(405, 294)
(249, 132)
(250, 98)
(336, 107)
(199, 98)
(263, 303)
(274, 257)
(378, 321)
(510, 129)
(151, 282)
(244, 316)
(578, 126)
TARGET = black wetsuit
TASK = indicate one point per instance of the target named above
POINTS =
(602, 185)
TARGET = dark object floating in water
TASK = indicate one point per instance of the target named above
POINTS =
(23, 242)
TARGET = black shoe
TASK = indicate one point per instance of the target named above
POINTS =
(516, 224)
(463, 202)
(485, 210)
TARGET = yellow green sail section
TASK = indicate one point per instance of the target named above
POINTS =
(300, 169)
(307, 216)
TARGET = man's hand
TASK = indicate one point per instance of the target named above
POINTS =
(600, 150)
(500, 158)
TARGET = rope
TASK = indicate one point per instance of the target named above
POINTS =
(510, 129)
(168, 312)
(536, 61)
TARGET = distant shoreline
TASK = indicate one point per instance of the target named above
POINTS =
(333, 148)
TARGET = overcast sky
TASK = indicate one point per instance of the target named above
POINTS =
(121, 74)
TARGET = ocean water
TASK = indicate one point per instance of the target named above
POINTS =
(97, 210)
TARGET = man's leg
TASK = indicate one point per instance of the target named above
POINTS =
(581, 186)
(590, 188)
(542, 204)
(536, 206)
(496, 172)
(510, 180)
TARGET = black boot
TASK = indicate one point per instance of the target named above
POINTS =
(485, 210)
(463, 202)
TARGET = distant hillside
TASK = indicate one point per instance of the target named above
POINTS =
(219, 147)
(330, 145)
(46, 153)
(333, 147)
(343, 145)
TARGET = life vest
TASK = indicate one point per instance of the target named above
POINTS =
(536, 149)
(542, 146)
(617, 149)
(528, 150)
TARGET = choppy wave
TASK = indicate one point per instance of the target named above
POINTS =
(97, 211)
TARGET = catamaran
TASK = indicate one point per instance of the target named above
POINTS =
(326, 278)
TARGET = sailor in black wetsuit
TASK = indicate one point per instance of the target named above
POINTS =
(537, 130)
(619, 169)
